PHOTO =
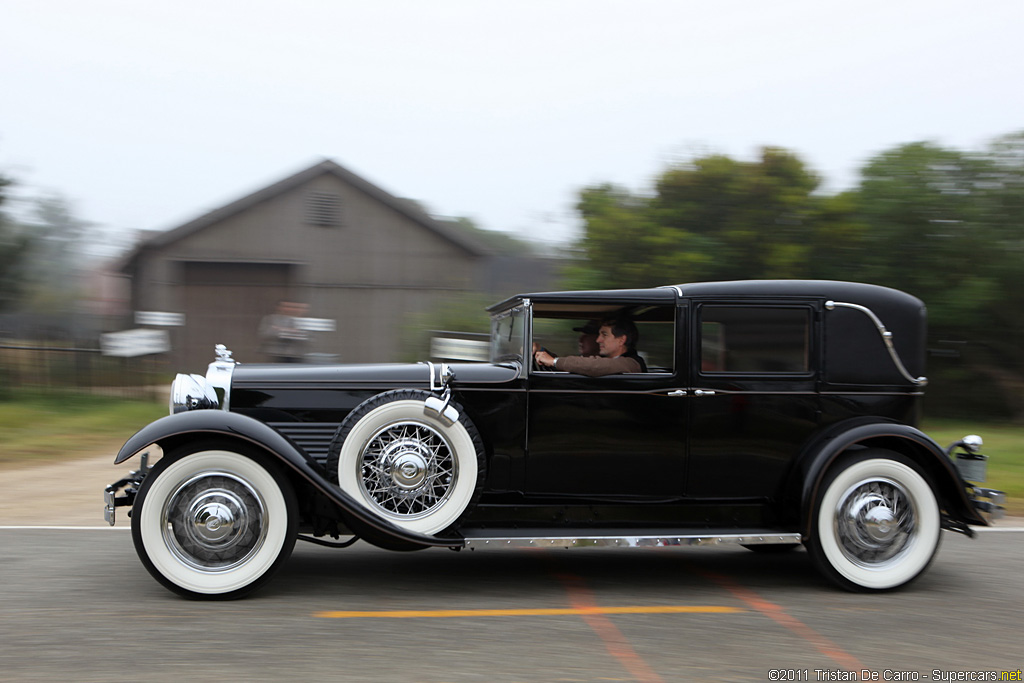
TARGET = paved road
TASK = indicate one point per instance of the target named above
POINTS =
(75, 604)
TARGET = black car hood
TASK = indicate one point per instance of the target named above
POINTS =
(404, 374)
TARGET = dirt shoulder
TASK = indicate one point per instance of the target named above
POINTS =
(67, 493)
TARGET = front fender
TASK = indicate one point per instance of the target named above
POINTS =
(824, 451)
(175, 429)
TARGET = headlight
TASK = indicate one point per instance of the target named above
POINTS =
(191, 392)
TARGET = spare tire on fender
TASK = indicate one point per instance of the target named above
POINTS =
(406, 463)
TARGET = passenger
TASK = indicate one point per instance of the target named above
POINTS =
(616, 342)
(587, 341)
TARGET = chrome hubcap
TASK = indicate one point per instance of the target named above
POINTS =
(407, 470)
(875, 523)
(406, 463)
(213, 517)
(880, 522)
(214, 521)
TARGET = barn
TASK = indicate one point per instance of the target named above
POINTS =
(357, 257)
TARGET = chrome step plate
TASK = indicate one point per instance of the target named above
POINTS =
(627, 541)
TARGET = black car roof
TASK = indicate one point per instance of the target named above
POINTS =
(662, 295)
(853, 292)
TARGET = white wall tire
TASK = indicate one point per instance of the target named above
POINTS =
(213, 522)
(407, 466)
(876, 523)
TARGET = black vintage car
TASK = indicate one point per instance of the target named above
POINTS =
(769, 414)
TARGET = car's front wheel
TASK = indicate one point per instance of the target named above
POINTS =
(214, 520)
(876, 523)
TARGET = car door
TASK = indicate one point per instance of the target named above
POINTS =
(613, 436)
(754, 399)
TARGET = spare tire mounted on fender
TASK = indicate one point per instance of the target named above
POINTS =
(405, 464)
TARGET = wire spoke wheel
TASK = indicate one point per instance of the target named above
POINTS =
(408, 469)
(405, 464)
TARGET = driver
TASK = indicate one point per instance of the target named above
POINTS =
(616, 343)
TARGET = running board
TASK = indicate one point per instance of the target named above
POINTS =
(484, 538)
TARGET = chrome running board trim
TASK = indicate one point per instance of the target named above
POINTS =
(632, 541)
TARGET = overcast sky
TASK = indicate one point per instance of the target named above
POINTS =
(147, 114)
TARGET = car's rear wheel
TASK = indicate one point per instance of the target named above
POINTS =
(876, 523)
(407, 465)
(214, 521)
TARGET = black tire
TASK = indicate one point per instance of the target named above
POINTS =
(405, 464)
(214, 520)
(876, 523)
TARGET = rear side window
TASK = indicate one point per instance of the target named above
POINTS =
(754, 339)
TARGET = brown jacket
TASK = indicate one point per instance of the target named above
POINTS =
(597, 366)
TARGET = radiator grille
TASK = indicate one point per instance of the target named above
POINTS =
(312, 437)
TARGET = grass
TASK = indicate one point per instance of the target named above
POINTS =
(47, 427)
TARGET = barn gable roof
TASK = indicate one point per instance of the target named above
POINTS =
(405, 207)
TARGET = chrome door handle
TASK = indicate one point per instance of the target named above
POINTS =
(677, 392)
(703, 392)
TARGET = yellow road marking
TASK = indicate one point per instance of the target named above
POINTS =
(542, 612)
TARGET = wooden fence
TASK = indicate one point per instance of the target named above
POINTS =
(43, 366)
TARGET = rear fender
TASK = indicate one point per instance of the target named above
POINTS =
(821, 454)
(173, 430)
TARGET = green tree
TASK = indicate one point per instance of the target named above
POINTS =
(946, 226)
(711, 218)
(751, 217)
(620, 239)
(923, 205)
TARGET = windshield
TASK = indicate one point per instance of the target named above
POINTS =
(508, 335)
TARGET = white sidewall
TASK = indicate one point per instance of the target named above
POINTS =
(463, 450)
(913, 559)
(214, 582)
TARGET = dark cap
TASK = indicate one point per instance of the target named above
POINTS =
(592, 327)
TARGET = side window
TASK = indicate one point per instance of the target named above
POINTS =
(657, 345)
(562, 330)
(754, 339)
